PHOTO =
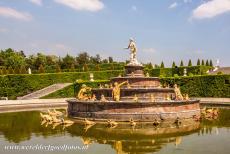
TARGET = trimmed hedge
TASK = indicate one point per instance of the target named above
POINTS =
(202, 86)
(195, 86)
(12, 86)
(170, 72)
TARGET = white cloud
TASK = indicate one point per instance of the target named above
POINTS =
(211, 9)
(134, 8)
(88, 5)
(173, 5)
(37, 2)
(14, 14)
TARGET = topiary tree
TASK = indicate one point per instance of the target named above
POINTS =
(85, 68)
(190, 62)
(58, 68)
(72, 68)
(16, 70)
(210, 63)
(173, 65)
(97, 67)
(23, 70)
(41, 69)
(207, 63)
(4, 71)
(162, 65)
(198, 62)
(202, 63)
(181, 63)
(10, 70)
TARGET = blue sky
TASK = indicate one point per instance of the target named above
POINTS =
(163, 29)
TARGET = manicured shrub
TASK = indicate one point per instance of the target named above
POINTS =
(41, 69)
(173, 65)
(202, 86)
(181, 63)
(162, 65)
(198, 62)
(13, 86)
(190, 62)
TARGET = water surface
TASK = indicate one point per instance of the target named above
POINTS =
(25, 129)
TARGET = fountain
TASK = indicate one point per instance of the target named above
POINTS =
(134, 96)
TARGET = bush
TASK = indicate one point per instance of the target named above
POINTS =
(202, 86)
(169, 72)
(13, 86)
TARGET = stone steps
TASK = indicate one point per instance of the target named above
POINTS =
(45, 91)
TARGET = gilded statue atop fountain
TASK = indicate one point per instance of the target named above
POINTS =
(178, 93)
(117, 90)
(83, 93)
(133, 52)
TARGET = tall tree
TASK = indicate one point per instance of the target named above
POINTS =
(68, 61)
(181, 63)
(207, 63)
(190, 62)
(110, 59)
(41, 69)
(173, 65)
(198, 62)
(82, 58)
(162, 65)
(10, 70)
(202, 63)
(210, 63)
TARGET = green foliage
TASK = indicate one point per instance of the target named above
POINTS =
(202, 63)
(169, 72)
(190, 62)
(10, 70)
(58, 69)
(66, 92)
(202, 86)
(162, 65)
(13, 86)
(219, 73)
(181, 63)
(41, 69)
(11, 58)
(207, 63)
(198, 62)
(210, 63)
(17, 70)
(173, 65)
(23, 70)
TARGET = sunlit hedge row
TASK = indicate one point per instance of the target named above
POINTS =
(13, 86)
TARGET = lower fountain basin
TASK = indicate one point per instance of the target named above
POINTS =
(139, 111)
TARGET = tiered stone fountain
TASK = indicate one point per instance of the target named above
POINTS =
(142, 99)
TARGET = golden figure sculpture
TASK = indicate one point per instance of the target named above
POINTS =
(152, 98)
(93, 98)
(135, 99)
(117, 90)
(186, 97)
(83, 93)
(178, 93)
(147, 75)
(103, 99)
(168, 98)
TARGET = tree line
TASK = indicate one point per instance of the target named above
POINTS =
(17, 61)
